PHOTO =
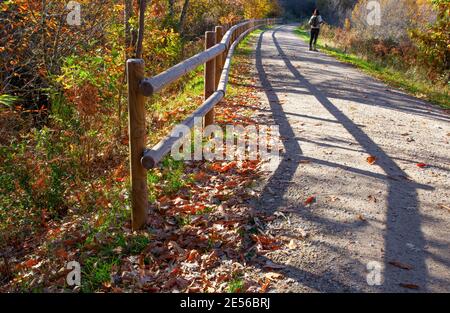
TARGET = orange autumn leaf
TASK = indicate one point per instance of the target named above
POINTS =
(372, 160)
(225, 168)
(265, 286)
(30, 263)
(192, 256)
(201, 176)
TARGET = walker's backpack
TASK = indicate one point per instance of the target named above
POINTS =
(315, 21)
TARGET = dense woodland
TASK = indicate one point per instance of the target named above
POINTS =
(63, 133)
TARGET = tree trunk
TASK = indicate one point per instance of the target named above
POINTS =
(183, 17)
(128, 13)
(171, 8)
(142, 7)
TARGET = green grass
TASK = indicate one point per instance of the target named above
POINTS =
(245, 48)
(391, 76)
(95, 272)
(97, 269)
(236, 285)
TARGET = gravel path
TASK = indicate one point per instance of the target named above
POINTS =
(392, 216)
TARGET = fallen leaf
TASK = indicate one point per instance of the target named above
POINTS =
(201, 176)
(372, 198)
(30, 263)
(409, 286)
(193, 255)
(334, 199)
(292, 245)
(362, 218)
(401, 265)
(270, 265)
(62, 253)
(266, 242)
(372, 160)
(273, 276)
(310, 200)
(265, 285)
(422, 165)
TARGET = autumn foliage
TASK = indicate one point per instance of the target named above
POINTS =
(63, 140)
(412, 36)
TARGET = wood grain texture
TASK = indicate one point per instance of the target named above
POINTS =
(219, 58)
(137, 134)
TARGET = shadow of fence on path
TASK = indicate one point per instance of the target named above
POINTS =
(403, 219)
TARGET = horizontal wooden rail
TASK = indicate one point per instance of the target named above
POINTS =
(152, 85)
(217, 57)
(227, 66)
(149, 86)
(153, 156)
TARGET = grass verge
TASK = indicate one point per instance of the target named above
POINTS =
(392, 77)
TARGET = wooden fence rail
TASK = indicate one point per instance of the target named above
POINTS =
(219, 50)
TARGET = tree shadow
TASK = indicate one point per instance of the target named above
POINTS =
(403, 219)
(374, 93)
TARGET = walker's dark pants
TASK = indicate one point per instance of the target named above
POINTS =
(314, 36)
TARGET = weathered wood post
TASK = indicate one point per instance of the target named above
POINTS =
(137, 134)
(219, 58)
(210, 76)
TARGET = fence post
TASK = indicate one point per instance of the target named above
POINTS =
(137, 134)
(219, 58)
(210, 76)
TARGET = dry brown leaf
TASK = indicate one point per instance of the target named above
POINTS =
(62, 253)
(273, 276)
(334, 199)
(270, 265)
(410, 286)
(292, 245)
(401, 265)
(362, 218)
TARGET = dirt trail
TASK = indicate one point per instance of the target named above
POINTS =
(332, 117)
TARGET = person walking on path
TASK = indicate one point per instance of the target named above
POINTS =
(315, 21)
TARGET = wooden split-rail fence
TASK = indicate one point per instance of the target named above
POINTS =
(219, 48)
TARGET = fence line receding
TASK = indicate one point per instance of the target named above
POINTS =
(219, 48)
